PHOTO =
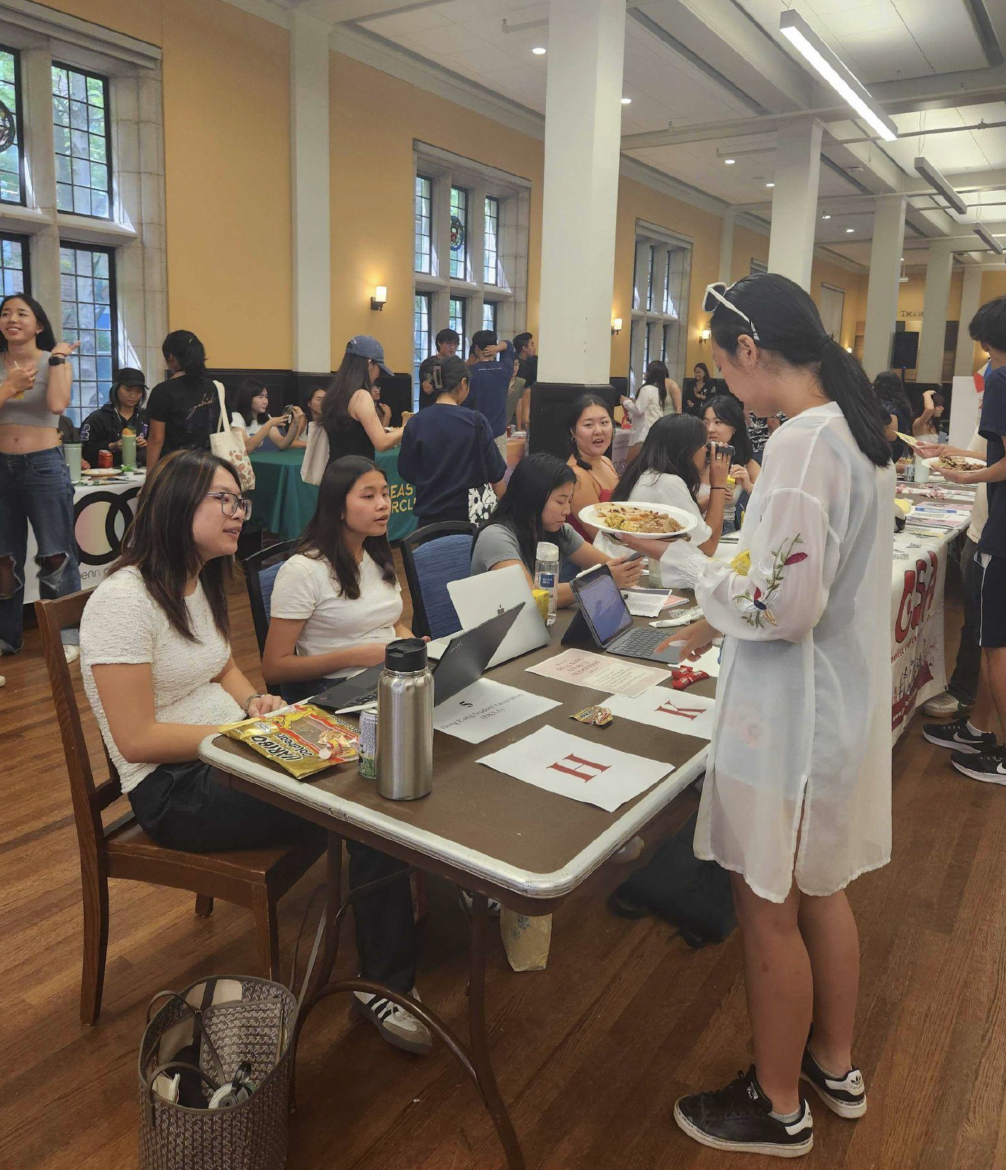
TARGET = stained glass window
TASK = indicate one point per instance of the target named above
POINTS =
(459, 233)
(87, 280)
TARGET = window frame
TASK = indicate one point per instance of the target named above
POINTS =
(113, 305)
(428, 297)
(421, 178)
(106, 83)
(655, 328)
(19, 125)
(487, 218)
(25, 241)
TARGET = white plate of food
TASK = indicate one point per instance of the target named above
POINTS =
(101, 472)
(955, 463)
(656, 521)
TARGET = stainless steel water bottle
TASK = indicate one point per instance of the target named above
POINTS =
(404, 762)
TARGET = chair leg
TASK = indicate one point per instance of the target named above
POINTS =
(204, 906)
(266, 932)
(95, 901)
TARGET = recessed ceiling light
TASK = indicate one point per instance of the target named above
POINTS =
(826, 217)
(539, 50)
(902, 259)
(626, 101)
(849, 231)
(729, 161)
(770, 184)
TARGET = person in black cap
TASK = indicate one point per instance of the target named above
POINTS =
(449, 450)
(102, 429)
(349, 412)
(490, 378)
(447, 341)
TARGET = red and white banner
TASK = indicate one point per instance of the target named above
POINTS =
(918, 667)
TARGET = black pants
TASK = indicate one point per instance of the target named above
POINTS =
(457, 515)
(963, 684)
(385, 924)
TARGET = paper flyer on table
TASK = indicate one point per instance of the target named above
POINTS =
(578, 768)
(667, 709)
(486, 708)
(601, 672)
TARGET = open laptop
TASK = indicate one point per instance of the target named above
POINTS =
(603, 616)
(463, 662)
(480, 597)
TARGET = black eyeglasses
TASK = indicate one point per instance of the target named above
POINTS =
(716, 296)
(231, 505)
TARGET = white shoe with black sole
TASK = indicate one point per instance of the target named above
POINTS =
(844, 1096)
(957, 737)
(398, 1027)
(989, 766)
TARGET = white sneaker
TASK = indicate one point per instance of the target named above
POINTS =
(397, 1026)
(71, 653)
(941, 706)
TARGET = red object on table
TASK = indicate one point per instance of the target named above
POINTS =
(104, 458)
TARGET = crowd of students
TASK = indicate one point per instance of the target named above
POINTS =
(796, 800)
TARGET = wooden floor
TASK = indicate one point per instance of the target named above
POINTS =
(590, 1053)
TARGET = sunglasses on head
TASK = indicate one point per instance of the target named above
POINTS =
(716, 296)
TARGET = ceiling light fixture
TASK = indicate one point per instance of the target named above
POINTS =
(988, 238)
(803, 38)
(539, 50)
(729, 162)
(849, 231)
(626, 101)
(826, 217)
(770, 184)
(935, 180)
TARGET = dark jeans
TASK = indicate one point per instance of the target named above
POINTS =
(963, 684)
(35, 489)
(385, 924)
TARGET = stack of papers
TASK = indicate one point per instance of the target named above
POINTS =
(648, 603)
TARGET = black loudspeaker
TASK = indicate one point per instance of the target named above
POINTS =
(551, 404)
(396, 392)
(906, 351)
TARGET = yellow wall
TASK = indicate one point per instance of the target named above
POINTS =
(748, 246)
(227, 151)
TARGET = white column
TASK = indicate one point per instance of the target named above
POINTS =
(934, 311)
(727, 247)
(882, 291)
(794, 201)
(312, 251)
(583, 118)
(971, 299)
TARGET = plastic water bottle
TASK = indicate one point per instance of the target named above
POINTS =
(546, 574)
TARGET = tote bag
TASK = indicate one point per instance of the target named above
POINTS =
(316, 455)
(226, 445)
(481, 499)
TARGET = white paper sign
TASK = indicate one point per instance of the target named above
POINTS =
(485, 709)
(600, 672)
(667, 709)
(578, 768)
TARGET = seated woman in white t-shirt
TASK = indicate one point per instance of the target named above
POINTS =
(669, 470)
(258, 430)
(156, 660)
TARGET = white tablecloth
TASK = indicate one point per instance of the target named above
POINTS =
(102, 512)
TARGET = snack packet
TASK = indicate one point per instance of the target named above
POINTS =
(302, 738)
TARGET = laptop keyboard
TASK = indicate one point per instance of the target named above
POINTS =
(639, 643)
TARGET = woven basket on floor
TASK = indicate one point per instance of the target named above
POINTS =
(232, 1019)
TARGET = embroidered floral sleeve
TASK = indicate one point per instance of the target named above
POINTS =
(778, 587)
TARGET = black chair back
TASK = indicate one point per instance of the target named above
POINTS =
(260, 577)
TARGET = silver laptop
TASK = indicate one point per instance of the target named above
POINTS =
(481, 597)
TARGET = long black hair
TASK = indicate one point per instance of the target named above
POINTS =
(728, 410)
(45, 339)
(657, 374)
(533, 480)
(247, 390)
(160, 544)
(352, 375)
(579, 406)
(323, 537)
(187, 350)
(890, 392)
(789, 325)
(668, 449)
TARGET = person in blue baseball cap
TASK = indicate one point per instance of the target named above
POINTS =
(349, 413)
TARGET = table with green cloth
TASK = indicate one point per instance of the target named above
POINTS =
(283, 502)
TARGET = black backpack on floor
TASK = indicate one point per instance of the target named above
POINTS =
(690, 894)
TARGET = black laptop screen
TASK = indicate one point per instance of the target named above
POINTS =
(603, 605)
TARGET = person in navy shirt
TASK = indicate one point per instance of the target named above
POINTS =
(490, 378)
(447, 450)
(988, 328)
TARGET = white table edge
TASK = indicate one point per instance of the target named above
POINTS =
(532, 885)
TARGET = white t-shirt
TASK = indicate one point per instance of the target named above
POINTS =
(655, 487)
(643, 412)
(307, 590)
(239, 424)
(122, 623)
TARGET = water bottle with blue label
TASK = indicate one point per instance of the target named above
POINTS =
(546, 574)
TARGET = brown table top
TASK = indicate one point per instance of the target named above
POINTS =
(510, 834)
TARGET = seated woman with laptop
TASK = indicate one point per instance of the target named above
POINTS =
(535, 508)
(335, 606)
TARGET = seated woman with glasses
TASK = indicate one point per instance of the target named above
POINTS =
(157, 665)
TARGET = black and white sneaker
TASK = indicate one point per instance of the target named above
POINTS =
(739, 1118)
(397, 1026)
(845, 1096)
(958, 738)
(989, 766)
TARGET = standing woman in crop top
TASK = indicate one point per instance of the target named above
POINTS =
(35, 483)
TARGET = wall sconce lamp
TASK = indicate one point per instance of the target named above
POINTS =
(616, 326)
(380, 297)
(704, 335)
